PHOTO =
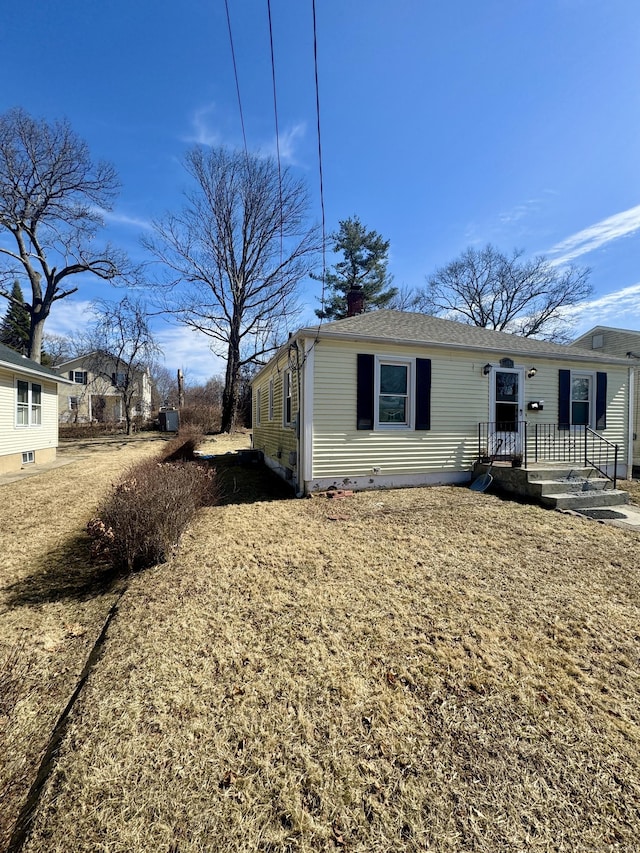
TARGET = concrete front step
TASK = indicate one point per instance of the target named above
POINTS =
(584, 500)
(550, 487)
(560, 472)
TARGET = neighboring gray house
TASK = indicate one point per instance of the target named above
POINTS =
(624, 343)
(28, 411)
(391, 398)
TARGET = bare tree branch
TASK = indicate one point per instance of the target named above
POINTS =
(51, 195)
(525, 297)
(235, 256)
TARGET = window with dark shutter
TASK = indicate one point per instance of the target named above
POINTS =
(365, 391)
(423, 393)
(564, 399)
(601, 401)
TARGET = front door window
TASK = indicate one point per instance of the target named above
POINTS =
(506, 411)
(507, 401)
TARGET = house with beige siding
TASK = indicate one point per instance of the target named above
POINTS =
(100, 382)
(389, 399)
(28, 411)
(624, 343)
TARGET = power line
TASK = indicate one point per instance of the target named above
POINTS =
(324, 239)
(235, 72)
(275, 111)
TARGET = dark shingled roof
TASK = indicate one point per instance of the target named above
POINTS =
(11, 358)
(406, 327)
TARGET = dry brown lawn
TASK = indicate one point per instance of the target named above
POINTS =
(425, 669)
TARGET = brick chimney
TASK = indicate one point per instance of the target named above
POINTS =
(355, 301)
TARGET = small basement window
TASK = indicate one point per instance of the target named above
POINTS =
(28, 456)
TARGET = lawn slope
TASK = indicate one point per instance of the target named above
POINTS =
(424, 669)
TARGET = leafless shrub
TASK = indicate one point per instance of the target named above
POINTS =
(141, 521)
(204, 416)
(182, 447)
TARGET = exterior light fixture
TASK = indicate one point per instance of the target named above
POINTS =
(531, 372)
(486, 370)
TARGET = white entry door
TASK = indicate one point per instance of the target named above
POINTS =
(507, 395)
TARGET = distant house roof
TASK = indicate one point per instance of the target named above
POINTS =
(406, 327)
(11, 359)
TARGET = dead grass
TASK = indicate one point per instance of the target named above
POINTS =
(633, 487)
(53, 602)
(427, 669)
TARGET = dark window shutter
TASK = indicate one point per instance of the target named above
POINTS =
(564, 399)
(71, 375)
(601, 401)
(365, 402)
(84, 377)
(423, 393)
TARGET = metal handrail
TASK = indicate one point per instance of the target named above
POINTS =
(575, 445)
(602, 442)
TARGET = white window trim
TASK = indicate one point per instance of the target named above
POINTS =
(271, 399)
(31, 424)
(577, 374)
(258, 406)
(410, 364)
(287, 394)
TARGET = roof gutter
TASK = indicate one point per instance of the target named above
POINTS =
(31, 371)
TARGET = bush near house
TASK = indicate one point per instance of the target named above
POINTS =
(140, 522)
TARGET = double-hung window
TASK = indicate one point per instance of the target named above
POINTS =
(258, 406)
(28, 403)
(394, 399)
(287, 394)
(271, 399)
(581, 399)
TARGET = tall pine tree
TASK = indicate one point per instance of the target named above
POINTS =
(14, 329)
(364, 266)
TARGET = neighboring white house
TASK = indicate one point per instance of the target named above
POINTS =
(391, 398)
(624, 343)
(95, 394)
(28, 411)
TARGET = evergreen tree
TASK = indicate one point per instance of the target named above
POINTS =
(364, 266)
(14, 330)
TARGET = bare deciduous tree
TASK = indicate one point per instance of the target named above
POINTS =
(526, 297)
(51, 198)
(122, 350)
(236, 254)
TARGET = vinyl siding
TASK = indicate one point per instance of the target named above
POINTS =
(619, 342)
(14, 439)
(275, 439)
(459, 401)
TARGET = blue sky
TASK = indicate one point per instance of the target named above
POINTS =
(444, 125)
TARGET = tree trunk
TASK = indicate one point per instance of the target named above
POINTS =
(232, 380)
(36, 332)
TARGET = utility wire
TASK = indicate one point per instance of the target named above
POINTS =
(275, 111)
(324, 239)
(235, 72)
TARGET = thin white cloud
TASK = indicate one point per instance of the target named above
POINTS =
(70, 317)
(589, 239)
(190, 351)
(288, 141)
(620, 308)
(519, 211)
(122, 219)
(202, 132)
